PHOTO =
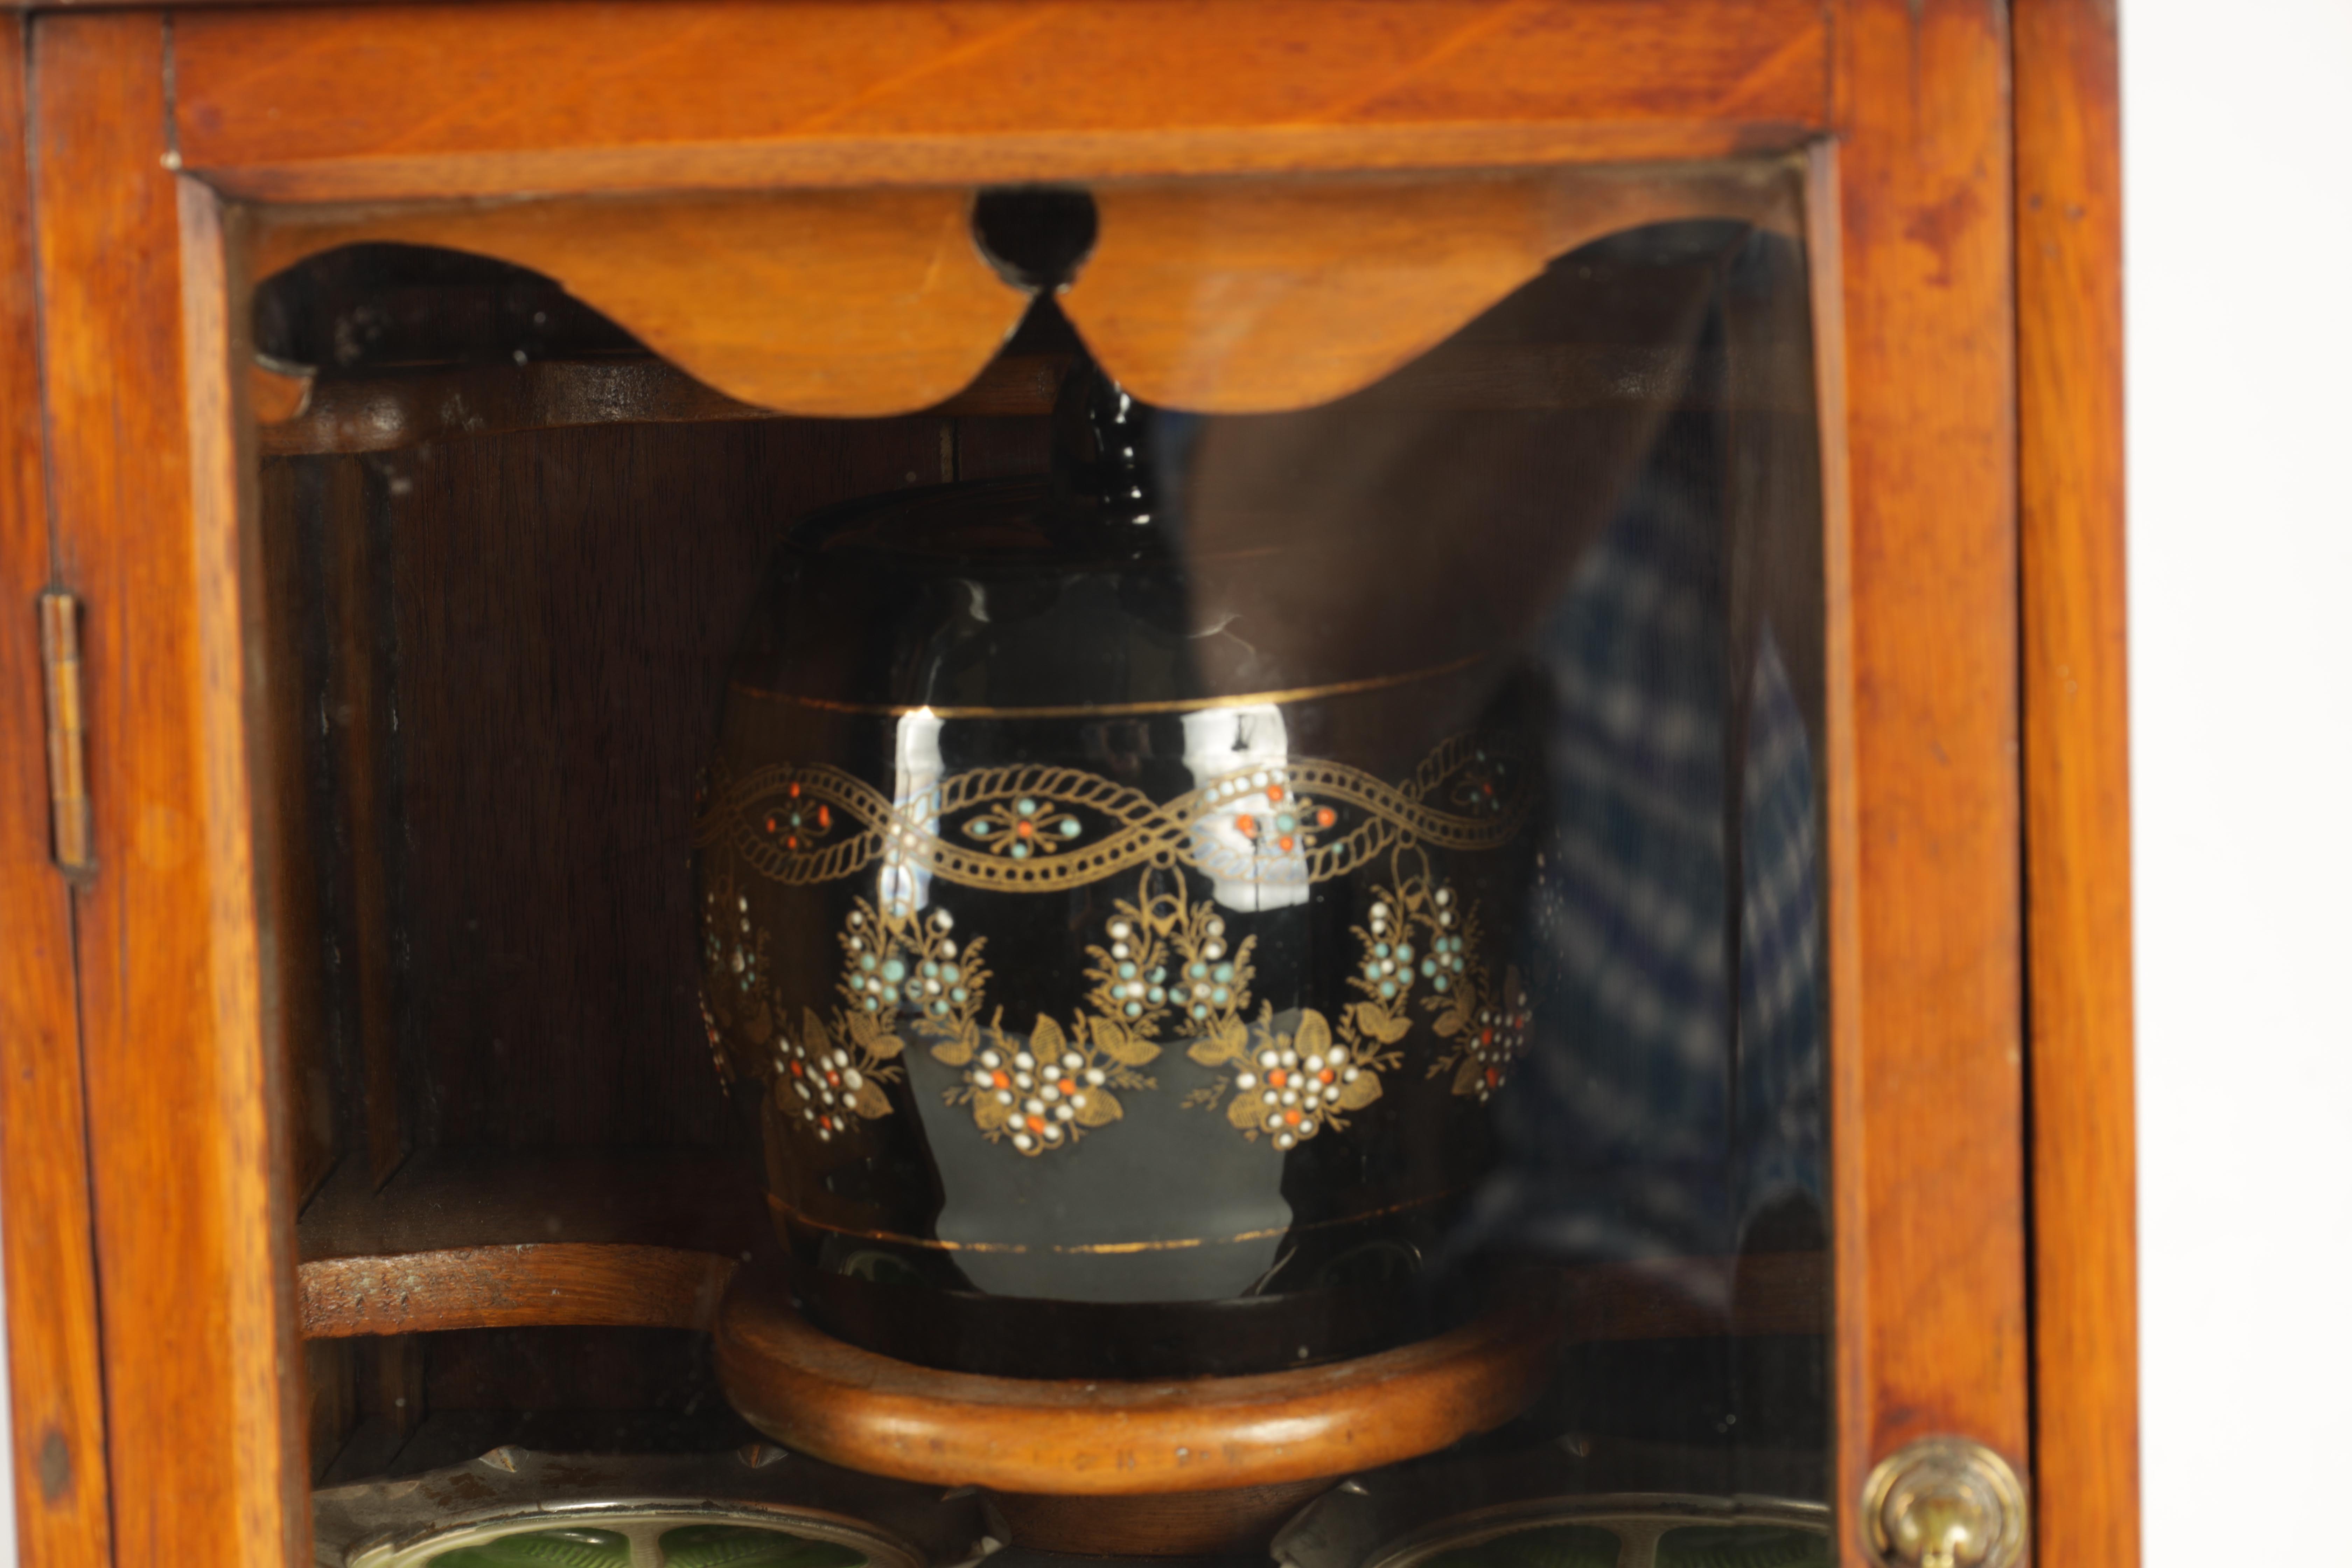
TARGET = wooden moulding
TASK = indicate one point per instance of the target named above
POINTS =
(2078, 784)
(1915, 305)
(1254, 297)
(502, 1240)
(361, 104)
(831, 303)
(529, 1284)
(55, 1394)
(869, 1413)
(1251, 296)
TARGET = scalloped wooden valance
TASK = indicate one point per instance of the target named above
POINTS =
(1225, 296)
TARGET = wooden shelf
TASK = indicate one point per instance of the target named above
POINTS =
(470, 1240)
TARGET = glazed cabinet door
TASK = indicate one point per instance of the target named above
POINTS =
(1141, 754)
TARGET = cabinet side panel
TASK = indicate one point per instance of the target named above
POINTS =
(2078, 784)
(1927, 1072)
(196, 1303)
(59, 1428)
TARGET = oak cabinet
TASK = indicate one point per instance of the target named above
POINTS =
(405, 397)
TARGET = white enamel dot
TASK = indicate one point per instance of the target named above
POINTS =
(1093, 1075)
(1003, 1097)
(1247, 1081)
(1021, 1140)
(1053, 1132)
(991, 1060)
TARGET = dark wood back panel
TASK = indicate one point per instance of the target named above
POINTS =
(547, 621)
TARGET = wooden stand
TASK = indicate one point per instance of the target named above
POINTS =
(1166, 1468)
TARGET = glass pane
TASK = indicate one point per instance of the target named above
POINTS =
(1053, 888)
(542, 1549)
(1546, 1546)
(1744, 1546)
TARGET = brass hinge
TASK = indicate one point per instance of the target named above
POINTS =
(70, 817)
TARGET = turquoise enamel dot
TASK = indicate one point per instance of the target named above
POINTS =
(1070, 828)
(894, 970)
(1021, 851)
(1388, 988)
(981, 829)
(1026, 807)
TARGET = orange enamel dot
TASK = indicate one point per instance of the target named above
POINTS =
(1326, 817)
(1036, 1124)
(1247, 824)
(1067, 1087)
(1273, 793)
(834, 1079)
(1493, 1078)
(1277, 1077)
(1024, 829)
(1003, 1081)
(1327, 1075)
(796, 1070)
(794, 791)
(1291, 1117)
(824, 817)
(1286, 842)
(1485, 1036)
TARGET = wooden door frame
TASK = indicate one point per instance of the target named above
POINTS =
(1935, 681)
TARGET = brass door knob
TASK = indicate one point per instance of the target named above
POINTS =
(1944, 1502)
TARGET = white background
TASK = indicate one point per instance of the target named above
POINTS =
(2238, 233)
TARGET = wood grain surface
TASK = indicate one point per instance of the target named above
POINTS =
(369, 103)
(1104, 1439)
(534, 1284)
(821, 302)
(186, 1158)
(2078, 784)
(1251, 297)
(1914, 267)
(55, 1393)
